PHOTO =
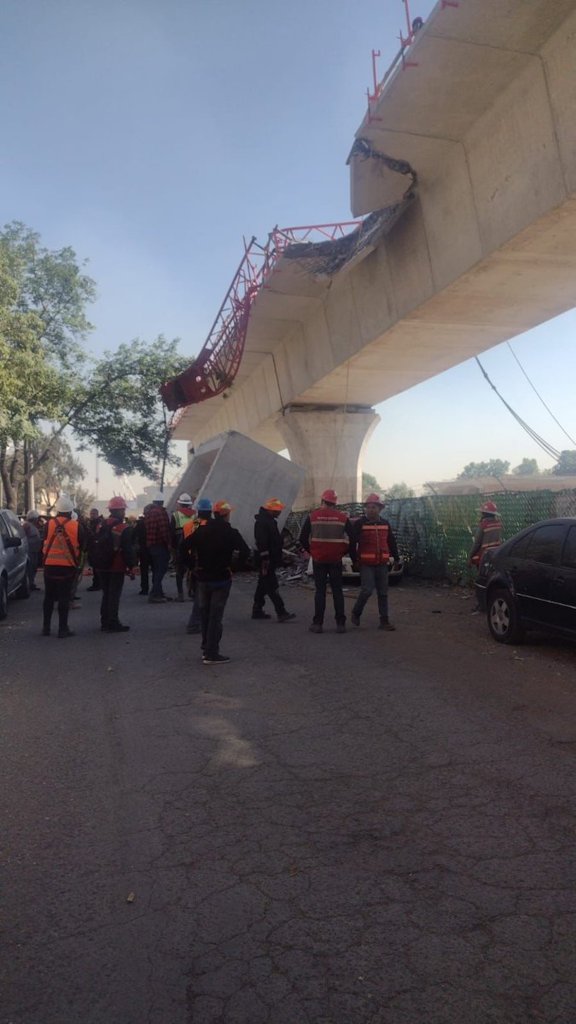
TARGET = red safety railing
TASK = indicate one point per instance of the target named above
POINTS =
(214, 370)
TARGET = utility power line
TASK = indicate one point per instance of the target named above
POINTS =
(537, 393)
(546, 447)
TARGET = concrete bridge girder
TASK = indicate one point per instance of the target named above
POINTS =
(486, 252)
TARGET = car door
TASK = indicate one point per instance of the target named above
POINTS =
(540, 566)
(9, 556)
(563, 586)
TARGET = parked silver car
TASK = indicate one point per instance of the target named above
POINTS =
(14, 579)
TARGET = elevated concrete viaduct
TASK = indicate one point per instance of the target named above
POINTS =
(483, 107)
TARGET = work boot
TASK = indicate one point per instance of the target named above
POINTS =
(63, 633)
(157, 600)
(117, 627)
(286, 616)
(385, 624)
(340, 627)
(259, 613)
(217, 659)
(355, 619)
(316, 627)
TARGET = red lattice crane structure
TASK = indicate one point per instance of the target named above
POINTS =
(214, 370)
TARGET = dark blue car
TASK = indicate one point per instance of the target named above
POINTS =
(529, 582)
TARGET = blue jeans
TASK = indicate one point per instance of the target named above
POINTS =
(373, 577)
(160, 558)
(212, 596)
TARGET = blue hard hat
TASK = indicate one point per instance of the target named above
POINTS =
(204, 505)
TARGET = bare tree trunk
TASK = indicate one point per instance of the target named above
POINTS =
(8, 472)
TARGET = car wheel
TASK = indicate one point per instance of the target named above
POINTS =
(3, 597)
(24, 588)
(503, 619)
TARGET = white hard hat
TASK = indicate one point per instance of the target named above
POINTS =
(64, 504)
(33, 514)
(184, 499)
(158, 497)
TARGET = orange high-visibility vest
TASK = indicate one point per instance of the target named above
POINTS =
(373, 544)
(189, 527)
(61, 546)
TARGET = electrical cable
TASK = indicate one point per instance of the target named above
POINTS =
(546, 447)
(537, 393)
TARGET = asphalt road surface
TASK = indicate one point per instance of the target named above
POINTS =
(375, 828)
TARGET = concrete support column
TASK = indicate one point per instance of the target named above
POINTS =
(329, 443)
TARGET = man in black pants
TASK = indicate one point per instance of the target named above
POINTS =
(269, 549)
(65, 539)
(121, 561)
(209, 550)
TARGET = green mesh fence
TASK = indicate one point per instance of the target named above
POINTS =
(435, 533)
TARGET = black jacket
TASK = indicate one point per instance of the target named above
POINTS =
(210, 548)
(267, 538)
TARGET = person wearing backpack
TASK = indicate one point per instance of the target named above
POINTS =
(64, 541)
(114, 559)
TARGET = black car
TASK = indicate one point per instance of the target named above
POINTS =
(530, 582)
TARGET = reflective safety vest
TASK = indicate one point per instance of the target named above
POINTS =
(189, 527)
(61, 546)
(373, 544)
(180, 519)
(328, 539)
(491, 537)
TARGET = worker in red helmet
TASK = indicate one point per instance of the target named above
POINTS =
(327, 536)
(376, 548)
(488, 534)
(115, 558)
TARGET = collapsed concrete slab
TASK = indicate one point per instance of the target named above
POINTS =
(231, 467)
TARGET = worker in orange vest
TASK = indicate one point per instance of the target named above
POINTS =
(376, 547)
(64, 541)
(327, 536)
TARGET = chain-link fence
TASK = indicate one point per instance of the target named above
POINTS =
(435, 533)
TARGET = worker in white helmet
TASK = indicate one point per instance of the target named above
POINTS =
(183, 514)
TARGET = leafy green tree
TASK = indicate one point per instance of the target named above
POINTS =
(493, 467)
(48, 380)
(61, 470)
(370, 484)
(121, 413)
(566, 465)
(400, 490)
(528, 467)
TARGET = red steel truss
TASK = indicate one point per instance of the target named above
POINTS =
(214, 370)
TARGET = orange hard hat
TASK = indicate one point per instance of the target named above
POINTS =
(489, 508)
(222, 507)
(117, 503)
(330, 496)
(274, 505)
(373, 499)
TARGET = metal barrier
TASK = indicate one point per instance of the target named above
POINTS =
(435, 533)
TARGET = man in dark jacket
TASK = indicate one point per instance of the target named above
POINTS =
(121, 562)
(209, 551)
(269, 551)
(93, 525)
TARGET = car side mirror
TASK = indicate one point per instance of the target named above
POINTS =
(12, 542)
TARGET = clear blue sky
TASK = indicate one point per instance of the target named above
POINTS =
(151, 135)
